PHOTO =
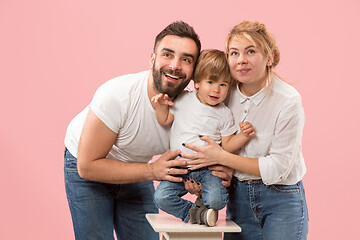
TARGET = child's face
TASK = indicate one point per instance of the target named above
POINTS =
(212, 92)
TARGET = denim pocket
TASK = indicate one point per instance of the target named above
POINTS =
(286, 188)
(70, 163)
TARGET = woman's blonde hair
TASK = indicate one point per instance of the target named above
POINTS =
(256, 33)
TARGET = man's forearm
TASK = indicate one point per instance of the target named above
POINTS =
(116, 172)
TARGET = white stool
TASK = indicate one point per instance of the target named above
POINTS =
(172, 228)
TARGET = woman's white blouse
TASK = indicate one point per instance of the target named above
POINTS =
(278, 117)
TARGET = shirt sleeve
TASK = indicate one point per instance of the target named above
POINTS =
(107, 108)
(285, 147)
(229, 127)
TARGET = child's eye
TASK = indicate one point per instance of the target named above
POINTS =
(210, 82)
(223, 85)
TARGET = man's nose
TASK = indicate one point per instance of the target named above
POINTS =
(175, 64)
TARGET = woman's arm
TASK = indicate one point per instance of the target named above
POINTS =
(275, 166)
(95, 143)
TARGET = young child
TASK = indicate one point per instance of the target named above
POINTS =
(193, 114)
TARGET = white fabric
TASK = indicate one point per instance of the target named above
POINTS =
(124, 106)
(278, 118)
(192, 118)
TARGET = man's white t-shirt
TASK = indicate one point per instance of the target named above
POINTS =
(193, 118)
(123, 105)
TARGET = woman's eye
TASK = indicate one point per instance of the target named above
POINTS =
(251, 51)
(233, 53)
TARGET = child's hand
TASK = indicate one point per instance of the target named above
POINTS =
(162, 99)
(247, 129)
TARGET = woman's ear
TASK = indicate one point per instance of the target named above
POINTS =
(270, 59)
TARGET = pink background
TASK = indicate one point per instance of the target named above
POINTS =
(54, 55)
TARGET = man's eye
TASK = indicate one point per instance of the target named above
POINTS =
(186, 60)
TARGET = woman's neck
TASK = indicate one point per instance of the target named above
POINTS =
(251, 89)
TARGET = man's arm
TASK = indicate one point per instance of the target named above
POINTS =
(95, 143)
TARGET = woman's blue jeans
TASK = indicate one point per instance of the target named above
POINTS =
(274, 212)
(97, 209)
(168, 195)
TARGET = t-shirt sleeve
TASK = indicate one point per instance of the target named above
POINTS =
(106, 107)
(229, 127)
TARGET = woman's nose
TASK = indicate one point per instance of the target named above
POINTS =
(241, 59)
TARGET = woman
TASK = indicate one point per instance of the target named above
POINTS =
(268, 199)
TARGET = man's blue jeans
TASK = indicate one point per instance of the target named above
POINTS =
(97, 209)
(275, 212)
(168, 195)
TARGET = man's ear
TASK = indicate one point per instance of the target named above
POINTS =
(152, 60)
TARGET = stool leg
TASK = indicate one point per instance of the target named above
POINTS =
(164, 236)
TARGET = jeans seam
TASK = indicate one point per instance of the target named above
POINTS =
(251, 205)
(303, 214)
(121, 223)
(284, 191)
(70, 169)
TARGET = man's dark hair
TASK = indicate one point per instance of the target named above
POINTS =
(180, 29)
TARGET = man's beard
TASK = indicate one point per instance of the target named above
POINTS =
(169, 88)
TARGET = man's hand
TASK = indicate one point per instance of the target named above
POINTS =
(222, 172)
(163, 167)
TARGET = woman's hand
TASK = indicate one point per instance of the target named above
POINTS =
(211, 154)
(193, 187)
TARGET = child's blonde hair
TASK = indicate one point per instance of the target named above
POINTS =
(212, 64)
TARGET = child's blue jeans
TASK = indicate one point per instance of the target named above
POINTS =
(168, 195)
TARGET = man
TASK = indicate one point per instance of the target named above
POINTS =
(108, 178)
